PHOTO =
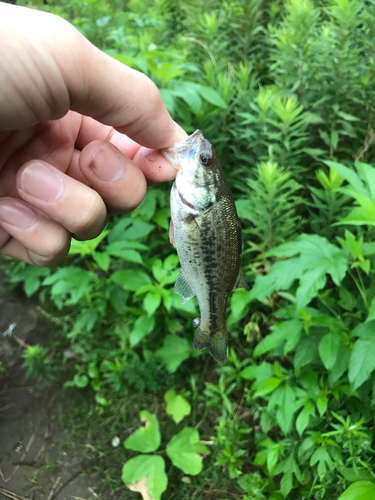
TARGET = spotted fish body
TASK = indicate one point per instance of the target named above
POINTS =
(207, 235)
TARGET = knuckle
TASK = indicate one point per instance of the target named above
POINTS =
(91, 213)
(54, 250)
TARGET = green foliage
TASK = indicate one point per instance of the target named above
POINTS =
(285, 92)
(37, 363)
(146, 473)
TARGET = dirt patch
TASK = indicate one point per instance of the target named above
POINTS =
(33, 464)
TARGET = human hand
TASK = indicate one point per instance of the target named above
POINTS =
(65, 161)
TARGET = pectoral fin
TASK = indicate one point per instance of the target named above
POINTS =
(241, 281)
(171, 234)
(183, 288)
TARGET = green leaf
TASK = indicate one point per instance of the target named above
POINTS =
(130, 279)
(177, 406)
(184, 450)
(284, 414)
(361, 490)
(103, 260)
(303, 418)
(287, 330)
(342, 363)
(317, 258)
(371, 311)
(138, 231)
(142, 327)
(125, 254)
(146, 474)
(305, 353)
(147, 438)
(80, 381)
(267, 386)
(328, 349)
(151, 302)
(86, 247)
(321, 404)
(212, 97)
(362, 362)
(174, 351)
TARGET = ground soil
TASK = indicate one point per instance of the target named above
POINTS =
(33, 464)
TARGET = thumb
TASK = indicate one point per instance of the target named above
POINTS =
(49, 68)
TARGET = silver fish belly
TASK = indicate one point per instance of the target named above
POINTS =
(206, 232)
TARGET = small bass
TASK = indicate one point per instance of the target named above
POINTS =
(206, 232)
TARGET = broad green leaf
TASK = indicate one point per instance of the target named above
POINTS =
(86, 247)
(347, 174)
(267, 386)
(146, 438)
(328, 349)
(177, 406)
(151, 302)
(361, 490)
(362, 362)
(239, 303)
(146, 474)
(317, 258)
(303, 418)
(371, 312)
(342, 363)
(284, 414)
(287, 330)
(305, 353)
(142, 327)
(138, 231)
(103, 260)
(131, 279)
(174, 351)
(81, 381)
(185, 450)
(125, 254)
(321, 404)
(212, 97)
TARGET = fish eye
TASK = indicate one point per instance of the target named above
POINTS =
(205, 159)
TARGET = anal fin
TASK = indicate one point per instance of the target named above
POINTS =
(241, 281)
(183, 288)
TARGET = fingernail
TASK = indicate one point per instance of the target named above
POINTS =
(17, 214)
(39, 181)
(107, 164)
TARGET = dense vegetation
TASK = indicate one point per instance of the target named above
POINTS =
(286, 93)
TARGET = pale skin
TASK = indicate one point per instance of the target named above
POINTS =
(79, 134)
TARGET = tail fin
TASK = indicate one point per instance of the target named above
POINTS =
(216, 343)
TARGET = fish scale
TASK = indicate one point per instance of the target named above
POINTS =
(207, 235)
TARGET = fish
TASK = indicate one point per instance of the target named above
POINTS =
(206, 232)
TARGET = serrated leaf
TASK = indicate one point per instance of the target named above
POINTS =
(185, 450)
(317, 258)
(146, 474)
(177, 406)
(147, 438)
(360, 490)
(328, 349)
(287, 330)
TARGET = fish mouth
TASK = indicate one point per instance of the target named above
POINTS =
(189, 144)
